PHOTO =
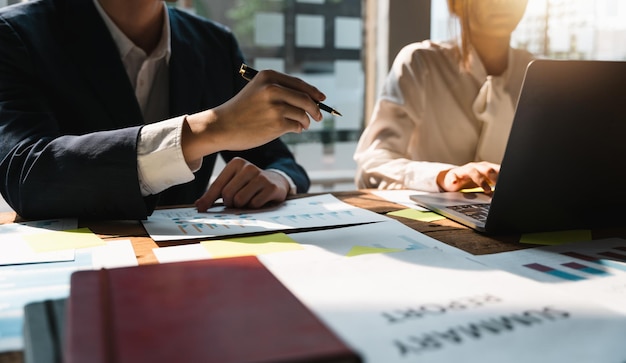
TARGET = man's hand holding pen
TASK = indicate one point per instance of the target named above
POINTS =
(271, 105)
(291, 98)
(248, 73)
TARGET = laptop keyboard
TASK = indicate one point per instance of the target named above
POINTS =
(476, 211)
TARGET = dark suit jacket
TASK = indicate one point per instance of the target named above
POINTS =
(69, 119)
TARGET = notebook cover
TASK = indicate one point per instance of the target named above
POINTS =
(43, 331)
(220, 310)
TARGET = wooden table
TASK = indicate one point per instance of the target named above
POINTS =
(444, 230)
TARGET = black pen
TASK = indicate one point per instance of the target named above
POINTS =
(248, 73)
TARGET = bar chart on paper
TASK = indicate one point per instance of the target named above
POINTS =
(596, 269)
(569, 266)
(317, 211)
(582, 266)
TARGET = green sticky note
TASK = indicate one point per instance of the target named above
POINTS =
(418, 215)
(251, 246)
(63, 240)
(557, 237)
(363, 250)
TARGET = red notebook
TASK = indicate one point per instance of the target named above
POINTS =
(222, 310)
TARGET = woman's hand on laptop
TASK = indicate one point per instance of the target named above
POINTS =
(471, 175)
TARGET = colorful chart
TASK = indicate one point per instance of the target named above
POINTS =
(554, 272)
(597, 260)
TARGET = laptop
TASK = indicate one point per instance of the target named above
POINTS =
(564, 166)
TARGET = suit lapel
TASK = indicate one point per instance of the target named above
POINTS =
(187, 73)
(193, 87)
(90, 43)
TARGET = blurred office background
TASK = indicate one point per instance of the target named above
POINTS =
(345, 48)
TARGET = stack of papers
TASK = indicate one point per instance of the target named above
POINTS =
(36, 261)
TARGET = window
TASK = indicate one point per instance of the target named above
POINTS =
(10, 2)
(319, 41)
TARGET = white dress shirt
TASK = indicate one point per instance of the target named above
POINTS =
(432, 116)
(160, 160)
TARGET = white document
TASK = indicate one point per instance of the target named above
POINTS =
(402, 197)
(593, 269)
(317, 211)
(430, 306)
(189, 252)
(118, 253)
(15, 250)
(383, 237)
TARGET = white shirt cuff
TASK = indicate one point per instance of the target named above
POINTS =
(293, 190)
(160, 160)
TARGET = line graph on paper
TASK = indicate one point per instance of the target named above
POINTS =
(317, 211)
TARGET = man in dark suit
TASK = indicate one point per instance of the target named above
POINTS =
(109, 108)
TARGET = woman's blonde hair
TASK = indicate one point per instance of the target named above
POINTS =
(460, 10)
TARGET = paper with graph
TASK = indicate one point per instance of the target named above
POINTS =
(593, 269)
(317, 211)
(430, 306)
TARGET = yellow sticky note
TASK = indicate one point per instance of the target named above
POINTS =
(251, 246)
(363, 250)
(63, 240)
(476, 190)
(424, 216)
(557, 237)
